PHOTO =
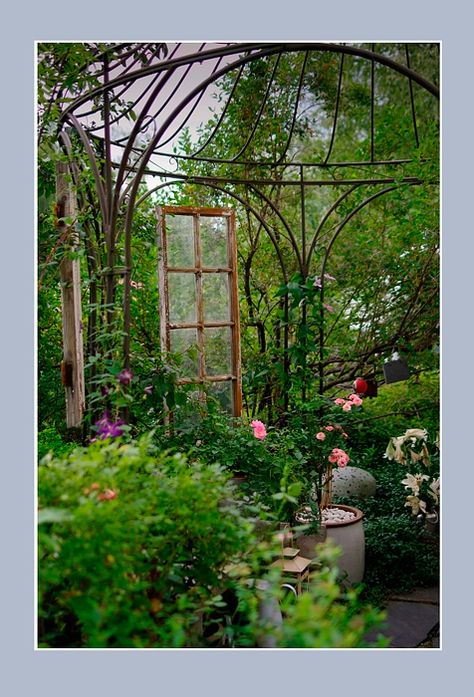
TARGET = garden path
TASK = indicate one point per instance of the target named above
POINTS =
(413, 619)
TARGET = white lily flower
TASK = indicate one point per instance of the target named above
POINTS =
(434, 490)
(415, 457)
(416, 504)
(426, 455)
(414, 482)
(394, 450)
(418, 433)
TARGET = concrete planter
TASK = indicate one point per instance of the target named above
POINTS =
(349, 535)
(307, 543)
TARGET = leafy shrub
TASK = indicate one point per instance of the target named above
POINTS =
(399, 555)
(131, 546)
(137, 548)
(413, 403)
(216, 438)
(49, 440)
(328, 616)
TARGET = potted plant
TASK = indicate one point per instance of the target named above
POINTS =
(325, 453)
(422, 478)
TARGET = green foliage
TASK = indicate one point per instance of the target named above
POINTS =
(215, 438)
(138, 549)
(400, 556)
(413, 403)
(328, 616)
(138, 568)
(50, 441)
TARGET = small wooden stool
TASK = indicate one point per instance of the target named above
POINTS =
(294, 566)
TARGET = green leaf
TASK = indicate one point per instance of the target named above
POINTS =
(53, 515)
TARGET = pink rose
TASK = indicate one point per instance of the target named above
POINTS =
(329, 428)
(107, 495)
(356, 400)
(347, 406)
(259, 430)
(320, 435)
(339, 401)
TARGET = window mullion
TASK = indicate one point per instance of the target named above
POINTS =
(199, 297)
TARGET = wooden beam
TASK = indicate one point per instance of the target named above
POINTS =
(72, 369)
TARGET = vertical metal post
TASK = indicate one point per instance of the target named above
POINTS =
(304, 309)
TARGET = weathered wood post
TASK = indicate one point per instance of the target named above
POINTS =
(72, 366)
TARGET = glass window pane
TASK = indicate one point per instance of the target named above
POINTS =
(217, 351)
(183, 343)
(180, 240)
(222, 392)
(188, 416)
(213, 241)
(182, 297)
(215, 291)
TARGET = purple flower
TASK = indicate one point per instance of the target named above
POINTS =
(104, 390)
(107, 428)
(148, 389)
(125, 377)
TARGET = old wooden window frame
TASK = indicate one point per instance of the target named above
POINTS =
(233, 322)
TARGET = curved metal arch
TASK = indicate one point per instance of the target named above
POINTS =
(338, 231)
(193, 108)
(119, 141)
(233, 195)
(166, 69)
(285, 223)
(324, 219)
(222, 114)
(260, 51)
(295, 110)
(336, 110)
(155, 140)
(191, 94)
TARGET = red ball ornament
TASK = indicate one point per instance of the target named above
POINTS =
(360, 386)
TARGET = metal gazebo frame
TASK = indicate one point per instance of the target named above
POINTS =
(157, 90)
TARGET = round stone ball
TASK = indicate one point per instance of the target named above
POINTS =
(353, 482)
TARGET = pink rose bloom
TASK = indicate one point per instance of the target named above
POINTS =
(107, 495)
(329, 428)
(356, 400)
(259, 430)
(320, 435)
(347, 406)
(332, 458)
(339, 401)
